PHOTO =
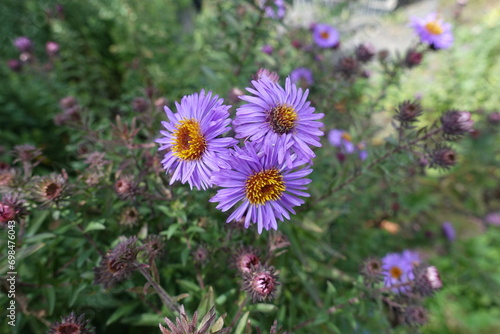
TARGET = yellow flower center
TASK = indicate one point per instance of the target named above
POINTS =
(346, 136)
(264, 186)
(324, 34)
(189, 143)
(282, 118)
(396, 272)
(434, 28)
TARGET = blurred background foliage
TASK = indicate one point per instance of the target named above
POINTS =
(116, 50)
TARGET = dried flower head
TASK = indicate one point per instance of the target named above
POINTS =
(69, 116)
(200, 255)
(71, 324)
(140, 104)
(416, 315)
(129, 217)
(277, 240)
(68, 102)
(183, 325)
(264, 72)
(443, 156)
(261, 283)
(455, 123)
(95, 159)
(408, 113)
(413, 58)
(7, 177)
(12, 207)
(494, 118)
(427, 280)
(372, 270)
(126, 187)
(26, 154)
(118, 264)
(348, 67)
(365, 52)
(50, 189)
(244, 259)
(15, 65)
(234, 95)
(154, 245)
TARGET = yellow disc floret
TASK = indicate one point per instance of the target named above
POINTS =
(267, 185)
(324, 34)
(395, 272)
(434, 28)
(189, 143)
(282, 118)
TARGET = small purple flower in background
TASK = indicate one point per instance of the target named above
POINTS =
(266, 189)
(493, 218)
(191, 138)
(274, 9)
(23, 44)
(272, 112)
(52, 49)
(448, 231)
(15, 65)
(433, 31)
(326, 36)
(342, 140)
(267, 49)
(363, 154)
(302, 77)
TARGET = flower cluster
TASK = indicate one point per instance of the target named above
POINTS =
(343, 141)
(266, 174)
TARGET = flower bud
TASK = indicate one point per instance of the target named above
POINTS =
(140, 104)
(443, 156)
(245, 259)
(456, 123)
(273, 76)
(365, 52)
(23, 44)
(413, 58)
(52, 49)
(408, 113)
(261, 283)
(427, 280)
(15, 65)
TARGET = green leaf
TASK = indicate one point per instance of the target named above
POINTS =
(75, 295)
(120, 312)
(242, 323)
(50, 295)
(94, 226)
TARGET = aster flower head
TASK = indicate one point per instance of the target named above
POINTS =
(302, 77)
(50, 189)
(267, 49)
(448, 231)
(154, 245)
(12, 206)
(244, 259)
(26, 154)
(128, 217)
(273, 112)
(264, 72)
(342, 140)
(192, 139)
(398, 269)
(183, 325)
(23, 44)
(265, 189)
(118, 264)
(274, 9)
(15, 65)
(371, 269)
(52, 48)
(347, 67)
(456, 123)
(71, 324)
(407, 113)
(433, 30)
(427, 280)
(365, 52)
(126, 187)
(443, 156)
(326, 36)
(261, 283)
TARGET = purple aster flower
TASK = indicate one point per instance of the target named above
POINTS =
(267, 49)
(342, 140)
(326, 36)
(448, 231)
(274, 112)
(192, 138)
(433, 31)
(493, 218)
(23, 44)
(266, 189)
(274, 9)
(363, 154)
(397, 270)
(302, 77)
(52, 48)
